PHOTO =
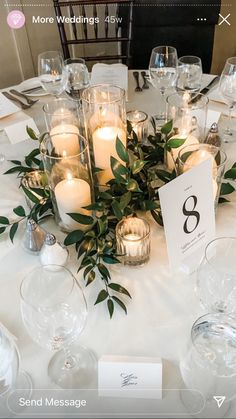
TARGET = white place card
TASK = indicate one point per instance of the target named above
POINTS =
(7, 107)
(16, 132)
(133, 377)
(212, 116)
(187, 205)
(114, 74)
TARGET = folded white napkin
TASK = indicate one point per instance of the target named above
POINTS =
(216, 96)
(7, 107)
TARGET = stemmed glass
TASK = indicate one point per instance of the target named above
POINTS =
(50, 70)
(77, 77)
(11, 377)
(216, 276)
(208, 366)
(189, 74)
(163, 71)
(54, 312)
(228, 91)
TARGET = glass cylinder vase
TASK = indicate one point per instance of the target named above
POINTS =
(69, 178)
(62, 115)
(105, 120)
(192, 155)
(188, 112)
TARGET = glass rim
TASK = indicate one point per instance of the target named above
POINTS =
(217, 239)
(230, 59)
(217, 316)
(190, 56)
(191, 106)
(174, 50)
(73, 60)
(50, 52)
(71, 156)
(56, 112)
(134, 240)
(145, 117)
(202, 146)
(84, 99)
(38, 268)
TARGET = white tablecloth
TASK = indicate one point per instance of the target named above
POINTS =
(163, 306)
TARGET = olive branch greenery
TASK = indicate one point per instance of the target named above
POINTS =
(137, 177)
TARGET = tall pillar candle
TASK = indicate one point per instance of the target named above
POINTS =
(65, 139)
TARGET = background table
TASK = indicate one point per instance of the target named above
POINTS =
(163, 305)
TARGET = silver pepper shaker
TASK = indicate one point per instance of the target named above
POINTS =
(34, 237)
(52, 252)
(213, 137)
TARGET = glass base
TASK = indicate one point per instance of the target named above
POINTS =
(2, 158)
(193, 402)
(79, 370)
(159, 120)
(23, 388)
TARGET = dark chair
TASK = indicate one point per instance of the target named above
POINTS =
(98, 22)
(170, 22)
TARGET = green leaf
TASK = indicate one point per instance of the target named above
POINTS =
(2, 229)
(110, 306)
(137, 166)
(231, 173)
(125, 200)
(120, 303)
(117, 210)
(81, 218)
(133, 186)
(176, 142)
(30, 195)
(103, 270)
(102, 225)
(157, 217)
(222, 200)
(103, 294)
(149, 205)
(164, 175)
(91, 278)
(13, 231)
(17, 162)
(73, 237)
(119, 288)
(167, 127)
(31, 133)
(4, 220)
(20, 169)
(121, 151)
(19, 211)
(110, 259)
(105, 195)
(226, 189)
(118, 170)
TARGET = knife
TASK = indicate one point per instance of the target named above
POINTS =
(205, 90)
(33, 89)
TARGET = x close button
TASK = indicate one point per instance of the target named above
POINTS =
(224, 19)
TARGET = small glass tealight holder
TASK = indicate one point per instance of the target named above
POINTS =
(133, 241)
(139, 122)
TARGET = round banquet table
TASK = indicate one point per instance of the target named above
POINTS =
(163, 306)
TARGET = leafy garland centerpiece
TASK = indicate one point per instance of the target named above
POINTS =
(134, 188)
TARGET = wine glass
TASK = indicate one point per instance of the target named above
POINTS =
(163, 71)
(54, 312)
(228, 91)
(50, 70)
(208, 365)
(77, 77)
(189, 74)
(11, 377)
(216, 276)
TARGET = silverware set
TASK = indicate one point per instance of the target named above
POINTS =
(145, 78)
(16, 96)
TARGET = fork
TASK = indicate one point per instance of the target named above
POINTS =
(136, 76)
(10, 97)
(145, 80)
(29, 101)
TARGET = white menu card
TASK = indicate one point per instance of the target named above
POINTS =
(114, 74)
(187, 205)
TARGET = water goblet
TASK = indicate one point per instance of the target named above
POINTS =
(228, 91)
(54, 312)
(50, 70)
(189, 74)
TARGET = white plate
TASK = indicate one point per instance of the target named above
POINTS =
(29, 84)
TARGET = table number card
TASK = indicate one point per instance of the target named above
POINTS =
(187, 207)
(132, 377)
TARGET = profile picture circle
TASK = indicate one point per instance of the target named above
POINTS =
(16, 19)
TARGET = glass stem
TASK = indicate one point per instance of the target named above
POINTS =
(228, 129)
(70, 361)
(163, 103)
